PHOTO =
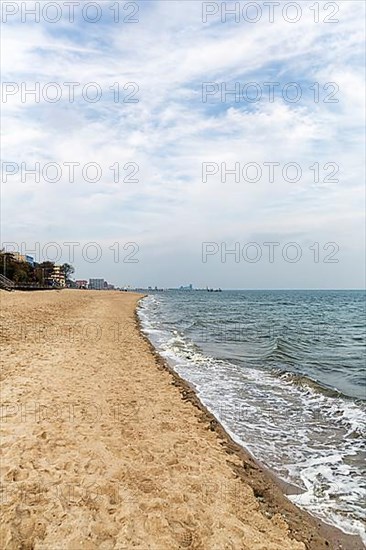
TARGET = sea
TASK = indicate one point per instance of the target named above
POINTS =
(284, 373)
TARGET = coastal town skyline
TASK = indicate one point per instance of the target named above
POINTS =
(216, 259)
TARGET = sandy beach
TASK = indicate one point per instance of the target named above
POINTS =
(105, 447)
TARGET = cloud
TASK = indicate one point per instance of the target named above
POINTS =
(170, 132)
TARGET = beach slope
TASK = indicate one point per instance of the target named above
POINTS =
(103, 447)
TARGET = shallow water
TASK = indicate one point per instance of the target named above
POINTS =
(284, 371)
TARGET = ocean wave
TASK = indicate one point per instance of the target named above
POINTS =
(289, 420)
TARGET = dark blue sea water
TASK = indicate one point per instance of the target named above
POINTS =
(284, 371)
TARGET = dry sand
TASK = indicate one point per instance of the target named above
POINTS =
(104, 448)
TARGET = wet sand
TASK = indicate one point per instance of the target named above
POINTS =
(105, 447)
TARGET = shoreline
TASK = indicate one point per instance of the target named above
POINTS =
(107, 447)
(270, 489)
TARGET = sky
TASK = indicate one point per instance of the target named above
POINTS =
(175, 181)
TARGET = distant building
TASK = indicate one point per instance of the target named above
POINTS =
(110, 287)
(18, 257)
(58, 276)
(96, 284)
(81, 283)
(189, 287)
(29, 260)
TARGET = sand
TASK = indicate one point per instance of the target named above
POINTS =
(103, 447)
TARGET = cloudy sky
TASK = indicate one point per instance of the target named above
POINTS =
(155, 141)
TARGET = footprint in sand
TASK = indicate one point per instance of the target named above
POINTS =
(94, 466)
(181, 533)
(16, 474)
(147, 485)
